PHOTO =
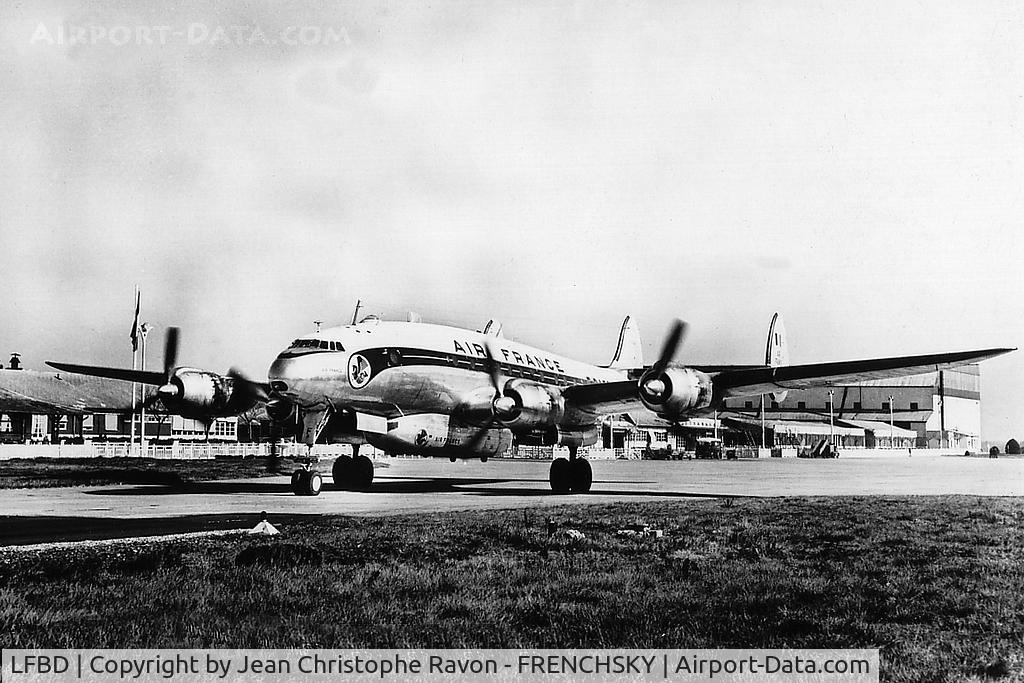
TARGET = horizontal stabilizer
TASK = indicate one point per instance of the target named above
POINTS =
(141, 376)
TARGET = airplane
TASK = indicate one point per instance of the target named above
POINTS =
(436, 390)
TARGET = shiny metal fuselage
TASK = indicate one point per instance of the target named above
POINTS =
(423, 378)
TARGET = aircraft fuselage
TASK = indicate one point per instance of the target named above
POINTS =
(432, 382)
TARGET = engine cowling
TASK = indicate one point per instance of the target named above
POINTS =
(675, 392)
(533, 406)
(201, 394)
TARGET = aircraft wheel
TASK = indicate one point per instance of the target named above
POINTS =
(307, 483)
(362, 473)
(560, 476)
(582, 476)
(342, 472)
(314, 483)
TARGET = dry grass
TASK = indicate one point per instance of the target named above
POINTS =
(936, 583)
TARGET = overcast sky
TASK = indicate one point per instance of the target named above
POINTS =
(858, 167)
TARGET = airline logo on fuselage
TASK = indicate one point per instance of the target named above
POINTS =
(539, 362)
(359, 371)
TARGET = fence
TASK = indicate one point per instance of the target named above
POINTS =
(182, 450)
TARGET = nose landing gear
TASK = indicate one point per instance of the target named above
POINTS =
(307, 482)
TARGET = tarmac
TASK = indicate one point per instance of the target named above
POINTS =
(412, 486)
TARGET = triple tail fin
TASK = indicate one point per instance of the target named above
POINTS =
(629, 354)
(494, 328)
(776, 351)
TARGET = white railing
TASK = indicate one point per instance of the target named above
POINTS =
(182, 450)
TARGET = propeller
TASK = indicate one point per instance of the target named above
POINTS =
(651, 383)
(253, 391)
(170, 390)
(502, 406)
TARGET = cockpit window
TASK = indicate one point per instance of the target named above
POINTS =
(317, 344)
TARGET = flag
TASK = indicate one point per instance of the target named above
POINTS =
(135, 323)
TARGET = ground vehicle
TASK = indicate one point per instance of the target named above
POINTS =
(659, 450)
(709, 448)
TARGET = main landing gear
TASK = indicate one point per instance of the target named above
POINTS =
(307, 482)
(573, 474)
(353, 474)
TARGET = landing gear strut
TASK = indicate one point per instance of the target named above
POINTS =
(574, 474)
(353, 474)
(307, 482)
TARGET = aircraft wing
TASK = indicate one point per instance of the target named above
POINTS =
(767, 379)
(124, 375)
(751, 380)
(28, 391)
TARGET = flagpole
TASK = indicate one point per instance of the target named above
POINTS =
(135, 358)
(143, 331)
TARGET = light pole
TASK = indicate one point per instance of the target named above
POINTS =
(892, 444)
(831, 422)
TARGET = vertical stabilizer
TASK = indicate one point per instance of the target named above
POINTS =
(776, 352)
(494, 328)
(629, 353)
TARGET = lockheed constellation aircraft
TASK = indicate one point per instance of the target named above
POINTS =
(412, 387)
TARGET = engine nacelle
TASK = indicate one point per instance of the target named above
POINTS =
(676, 392)
(535, 406)
(200, 394)
(559, 436)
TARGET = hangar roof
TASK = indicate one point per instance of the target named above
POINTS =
(29, 391)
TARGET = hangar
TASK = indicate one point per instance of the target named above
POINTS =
(939, 409)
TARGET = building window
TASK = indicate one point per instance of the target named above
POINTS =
(885, 405)
(802, 405)
(748, 404)
(775, 404)
(856, 405)
(913, 406)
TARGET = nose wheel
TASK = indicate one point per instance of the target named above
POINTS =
(307, 482)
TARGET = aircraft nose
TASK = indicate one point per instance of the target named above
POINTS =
(281, 370)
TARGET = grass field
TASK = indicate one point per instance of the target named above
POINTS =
(936, 583)
(50, 472)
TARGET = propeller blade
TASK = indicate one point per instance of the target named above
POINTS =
(492, 369)
(171, 351)
(250, 389)
(669, 348)
(479, 437)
